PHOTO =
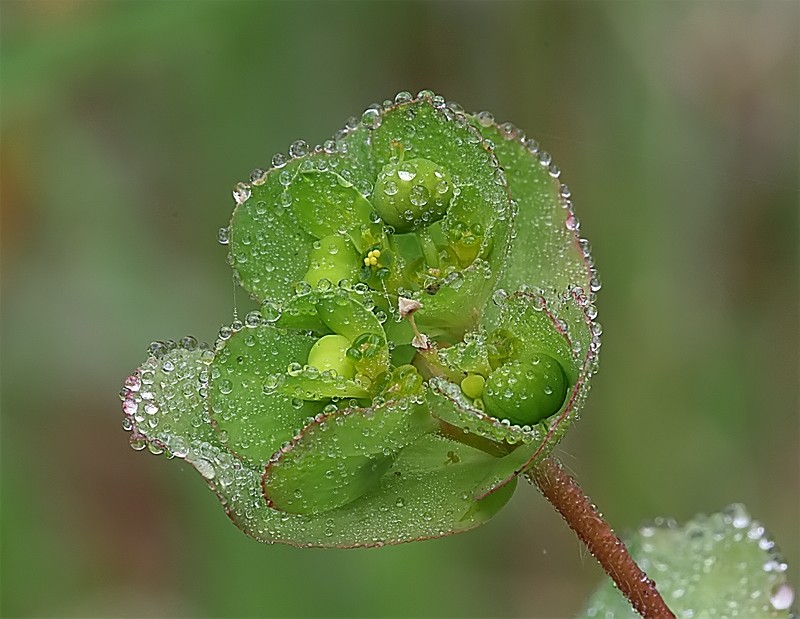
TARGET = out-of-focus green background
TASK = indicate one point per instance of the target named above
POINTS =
(124, 127)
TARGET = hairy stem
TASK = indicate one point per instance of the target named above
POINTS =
(582, 516)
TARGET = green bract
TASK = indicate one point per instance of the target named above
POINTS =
(427, 332)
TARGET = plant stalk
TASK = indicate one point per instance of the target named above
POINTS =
(582, 516)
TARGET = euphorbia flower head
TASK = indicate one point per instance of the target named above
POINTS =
(427, 333)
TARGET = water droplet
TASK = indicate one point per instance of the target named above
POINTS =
(241, 193)
(485, 119)
(371, 118)
(782, 597)
(137, 442)
(132, 383)
(225, 333)
(572, 222)
(285, 178)
(189, 342)
(390, 188)
(407, 172)
(419, 195)
(179, 447)
(271, 383)
(253, 319)
(302, 288)
(299, 148)
(205, 468)
(258, 176)
(130, 407)
(738, 515)
(270, 312)
(499, 297)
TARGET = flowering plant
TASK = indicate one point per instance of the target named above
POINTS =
(426, 334)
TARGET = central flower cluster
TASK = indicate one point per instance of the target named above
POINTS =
(401, 347)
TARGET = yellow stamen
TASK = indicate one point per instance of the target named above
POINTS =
(372, 257)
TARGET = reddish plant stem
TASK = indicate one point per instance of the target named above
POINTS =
(582, 516)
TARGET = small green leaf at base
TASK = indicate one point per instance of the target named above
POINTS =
(718, 566)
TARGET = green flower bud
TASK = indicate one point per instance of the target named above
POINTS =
(330, 353)
(472, 385)
(412, 194)
(332, 258)
(525, 392)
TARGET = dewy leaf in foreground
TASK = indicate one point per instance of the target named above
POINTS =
(723, 565)
(426, 334)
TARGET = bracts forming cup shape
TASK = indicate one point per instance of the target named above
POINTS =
(427, 333)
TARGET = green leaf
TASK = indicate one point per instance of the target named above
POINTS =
(245, 405)
(333, 258)
(457, 303)
(309, 384)
(428, 492)
(326, 204)
(300, 313)
(723, 565)
(431, 488)
(340, 456)
(546, 251)
(269, 250)
(163, 401)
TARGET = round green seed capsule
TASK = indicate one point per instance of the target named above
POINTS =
(472, 385)
(525, 392)
(330, 353)
(412, 194)
(334, 259)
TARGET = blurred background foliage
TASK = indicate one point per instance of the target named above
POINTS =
(124, 127)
